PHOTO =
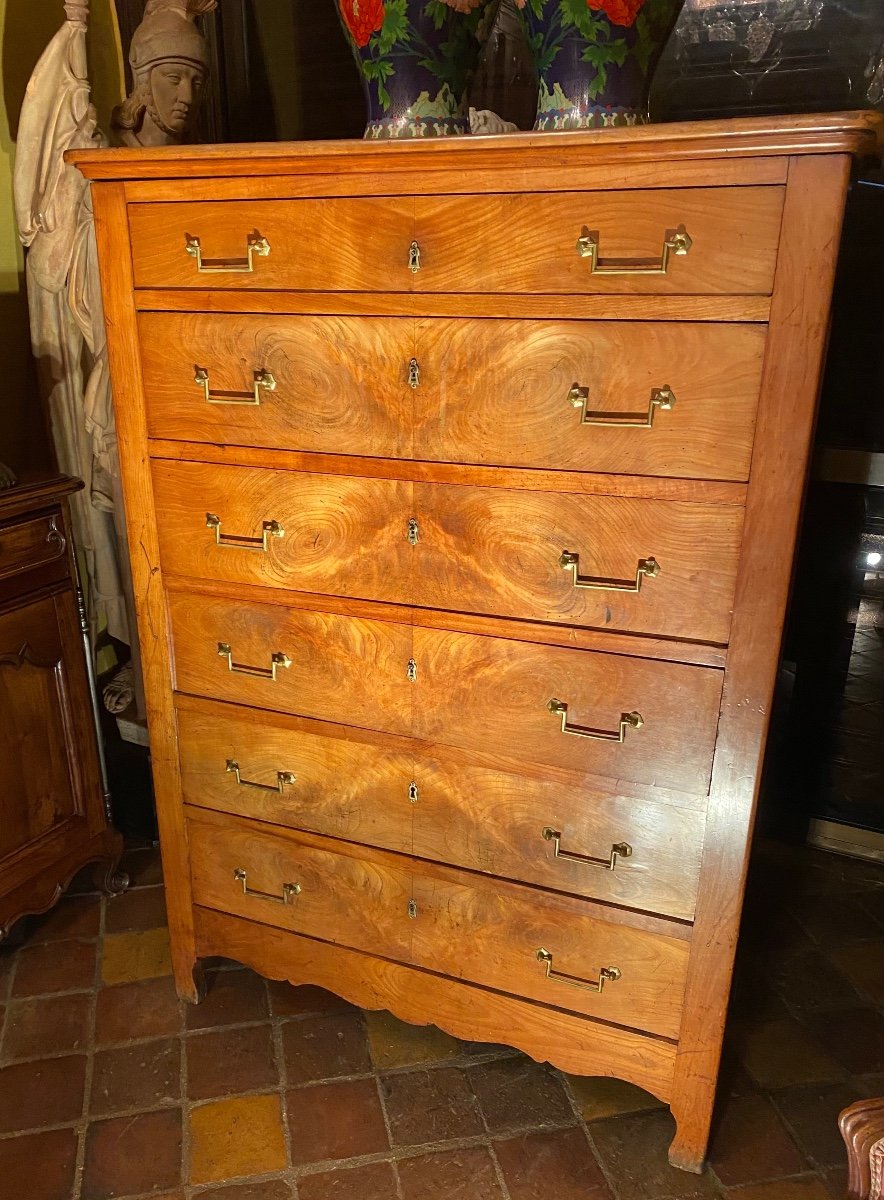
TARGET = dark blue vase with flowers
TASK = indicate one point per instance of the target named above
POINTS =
(596, 58)
(416, 58)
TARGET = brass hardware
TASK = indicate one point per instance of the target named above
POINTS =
(618, 850)
(282, 778)
(606, 974)
(663, 397)
(238, 541)
(255, 245)
(414, 258)
(631, 720)
(413, 793)
(412, 909)
(277, 660)
(414, 374)
(411, 671)
(264, 382)
(675, 241)
(289, 890)
(414, 532)
(648, 568)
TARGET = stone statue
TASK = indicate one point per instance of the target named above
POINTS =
(169, 59)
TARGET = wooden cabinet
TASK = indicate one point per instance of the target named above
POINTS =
(53, 814)
(465, 478)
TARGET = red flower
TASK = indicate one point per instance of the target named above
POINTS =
(619, 12)
(363, 17)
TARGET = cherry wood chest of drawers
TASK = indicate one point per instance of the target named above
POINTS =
(462, 481)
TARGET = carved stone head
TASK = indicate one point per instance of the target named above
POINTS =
(169, 60)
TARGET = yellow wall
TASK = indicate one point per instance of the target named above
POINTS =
(26, 28)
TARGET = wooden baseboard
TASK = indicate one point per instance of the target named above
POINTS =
(846, 839)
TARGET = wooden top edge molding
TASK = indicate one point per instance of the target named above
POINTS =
(32, 495)
(856, 133)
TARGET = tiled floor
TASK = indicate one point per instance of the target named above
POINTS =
(109, 1088)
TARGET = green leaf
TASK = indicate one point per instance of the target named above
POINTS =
(599, 84)
(395, 26)
(437, 12)
(384, 96)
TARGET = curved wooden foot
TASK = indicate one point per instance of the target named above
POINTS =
(191, 986)
(688, 1149)
(862, 1127)
(108, 878)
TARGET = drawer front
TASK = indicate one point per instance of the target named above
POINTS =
(493, 935)
(335, 384)
(353, 902)
(542, 244)
(623, 397)
(330, 785)
(338, 535)
(340, 669)
(554, 834)
(491, 694)
(32, 543)
(642, 566)
(314, 245)
(560, 836)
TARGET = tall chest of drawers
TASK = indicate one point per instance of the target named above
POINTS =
(462, 481)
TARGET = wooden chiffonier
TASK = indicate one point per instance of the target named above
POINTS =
(462, 481)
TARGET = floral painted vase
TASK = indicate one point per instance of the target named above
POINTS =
(416, 58)
(595, 58)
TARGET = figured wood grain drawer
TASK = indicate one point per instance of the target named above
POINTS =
(541, 244)
(557, 833)
(312, 245)
(482, 931)
(621, 397)
(323, 533)
(637, 565)
(480, 693)
(31, 544)
(244, 868)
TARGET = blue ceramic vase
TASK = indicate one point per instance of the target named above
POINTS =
(595, 58)
(416, 58)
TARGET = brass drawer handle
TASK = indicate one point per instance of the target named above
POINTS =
(289, 890)
(606, 974)
(675, 241)
(277, 660)
(663, 397)
(238, 541)
(648, 568)
(282, 778)
(264, 382)
(632, 720)
(618, 850)
(255, 245)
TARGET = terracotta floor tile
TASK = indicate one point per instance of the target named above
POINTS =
(834, 920)
(7, 962)
(599, 1097)
(835, 1180)
(144, 867)
(454, 1174)
(375, 1181)
(336, 1120)
(516, 1093)
(749, 1143)
(326, 1047)
(50, 1025)
(797, 979)
(854, 1037)
(232, 998)
(430, 1106)
(863, 964)
(809, 1187)
(72, 917)
(145, 908)
(812, 1112)
(45, 969)
(55, 1151)
(49, 1092)
(781, 1053)
(139, 1077)
(127, 957)
(127, 1156)
(395, 1043)
(276, 1189)
(234, 1138)
(540, 1166)
(147, 1008)
(226, 1062)
(633, 1151)
(289, 1001)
